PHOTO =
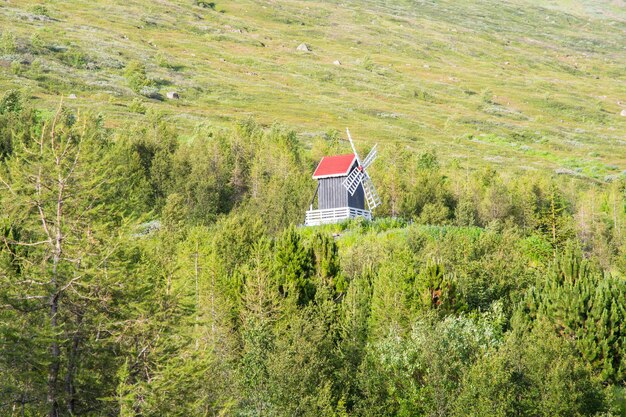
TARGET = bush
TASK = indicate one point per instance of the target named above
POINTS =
(368, 64)
(486, 96)
(37, 44)
(16, 67)
(11, 102)
(41, 10)
(137, 106)
(162, 61)
(533, 373)
(423, 95)
(434, 213)
(206, 4)
(136, 75)
(75, 59)
(36, 70)
(8, 43)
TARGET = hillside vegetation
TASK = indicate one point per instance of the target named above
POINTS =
(142, 276)
(152, 258)
(491, 82)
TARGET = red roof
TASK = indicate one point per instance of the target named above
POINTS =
(334, 166)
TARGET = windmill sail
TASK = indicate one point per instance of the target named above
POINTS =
(359, 176)
(358, 160)
(353, 180)
(370, 157)
(371, 196)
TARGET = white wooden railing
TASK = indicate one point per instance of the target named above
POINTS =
(334, 215)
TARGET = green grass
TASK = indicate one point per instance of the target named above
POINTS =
(530, 85)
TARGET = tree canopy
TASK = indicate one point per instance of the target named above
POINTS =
(144, 275)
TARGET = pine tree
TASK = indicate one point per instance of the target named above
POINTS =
(553, 221)
(260, 311)
(294, 267)
(354, 314)
(583, 303)
(58, 212)
(436, 289)
(326, 257)
(395, 297)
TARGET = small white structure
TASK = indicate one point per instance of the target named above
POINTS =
(172, 95)
(343, 189)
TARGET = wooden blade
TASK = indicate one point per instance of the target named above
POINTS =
(353, 180)
(370, 157)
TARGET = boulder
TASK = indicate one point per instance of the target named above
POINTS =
(565, 171)
(303, 47)
(623, 113)
(337, 62)
(72, 96)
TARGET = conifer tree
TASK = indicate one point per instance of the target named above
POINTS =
(586, 305)
(294, 267)
(553, 221)
(436, 289)
(260, 311)
(58, 213)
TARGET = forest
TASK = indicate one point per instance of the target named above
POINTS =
(145, 275)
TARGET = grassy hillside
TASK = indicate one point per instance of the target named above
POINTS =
(151, 262)
(506, 84)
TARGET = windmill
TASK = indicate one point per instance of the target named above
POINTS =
(343, 188)
(359, 176)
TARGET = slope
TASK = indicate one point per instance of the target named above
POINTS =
(513, 84)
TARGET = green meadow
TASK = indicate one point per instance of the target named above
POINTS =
(509, 85)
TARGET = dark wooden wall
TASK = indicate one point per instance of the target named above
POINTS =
(332, 194)
(357, 200)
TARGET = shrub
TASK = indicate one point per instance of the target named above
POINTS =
(137, 106)
(41, 10)
(136, 75)
(75, 58)
(16, 67)
(486, 96)
(206, 4)
(368, 64)
(8, 43)
(37, 44)
(428, 161)
(423, 95)
(162, 61)
(11, 102)
(434, 213)
(36, 70)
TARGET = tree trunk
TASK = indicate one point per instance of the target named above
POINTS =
(72, 365)
(53, 372)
